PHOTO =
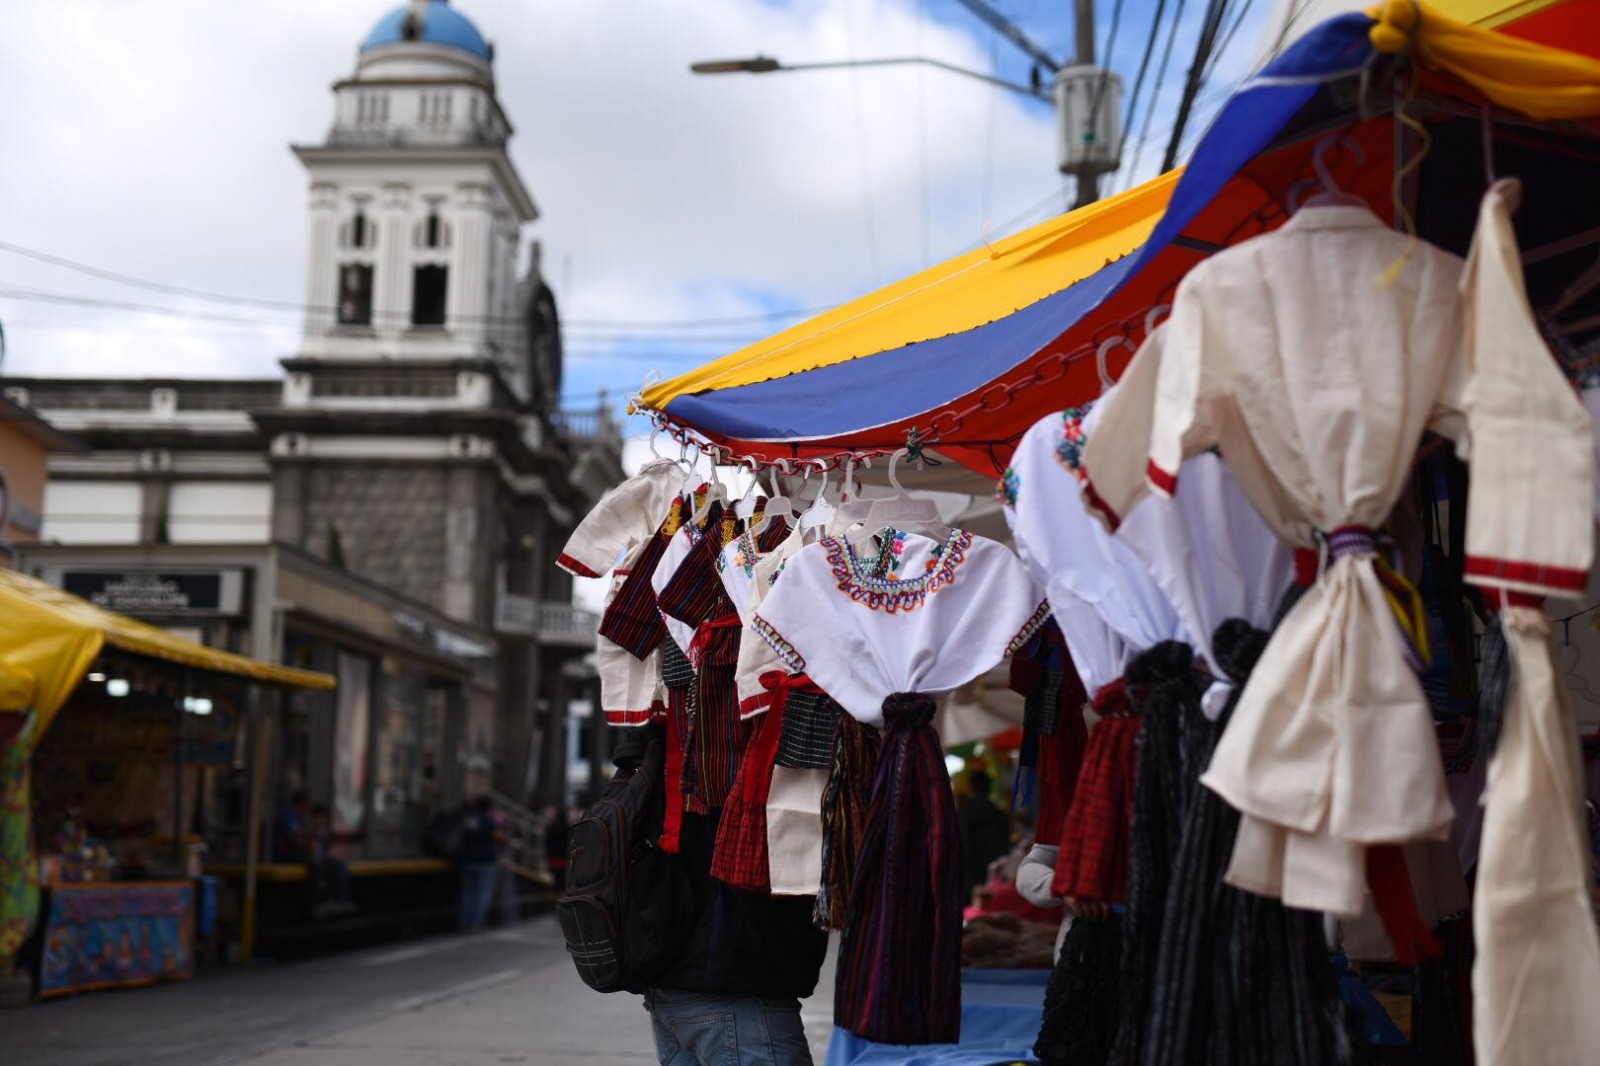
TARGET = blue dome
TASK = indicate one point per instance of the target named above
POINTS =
(440, 25)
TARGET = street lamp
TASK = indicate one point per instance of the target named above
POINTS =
(768, 65)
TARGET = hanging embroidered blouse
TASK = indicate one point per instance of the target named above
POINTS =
(620, 526)
(1082, 563)
(936, 615)
(748, 574)
(679, 549)
(1316, 381)
(1209, 552)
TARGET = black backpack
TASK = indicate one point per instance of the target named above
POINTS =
(628, 906)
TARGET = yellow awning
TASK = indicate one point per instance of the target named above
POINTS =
(955, 296)
(16, 688)
(55, 635)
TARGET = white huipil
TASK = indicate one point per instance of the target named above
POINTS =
(1205, 546)
(794, 800)
(1079, 563)
(1536, 974)
(950, 612)
(683, 542)
(619, 527)
(1316, 380)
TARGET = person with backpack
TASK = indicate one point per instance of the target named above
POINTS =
(722, 971)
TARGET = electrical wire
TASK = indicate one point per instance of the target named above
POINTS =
(1161, 79)
(922, 135)
(1144, 66)
(304, 308)
(1227, 39)
(1216, 11)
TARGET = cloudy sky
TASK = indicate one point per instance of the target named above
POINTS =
(151, 140)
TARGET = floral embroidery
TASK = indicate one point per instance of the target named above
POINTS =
(877, 584)
(1005, 492)
(744, 555)
(785, 651)
(1069, 452)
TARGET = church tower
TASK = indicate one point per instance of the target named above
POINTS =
(420, 441)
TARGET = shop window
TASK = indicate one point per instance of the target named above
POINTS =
(355, 294)
(428, 295)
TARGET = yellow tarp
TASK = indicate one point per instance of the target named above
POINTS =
(54, 636)
(961, 294)
(1543, 83)
(16, 688)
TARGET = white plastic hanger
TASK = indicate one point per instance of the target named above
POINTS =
(1329, 192)
(852, 509)
(820, 513)
(747, 503)
(1150, 323)
(1100, 353)
(903, 511)
(718, 493)
(777, 503)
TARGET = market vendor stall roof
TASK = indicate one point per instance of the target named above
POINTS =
(972, 374)
(55, 636)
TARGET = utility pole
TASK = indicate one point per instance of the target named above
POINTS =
(1088, 180)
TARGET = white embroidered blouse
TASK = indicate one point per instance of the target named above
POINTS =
(925, 616)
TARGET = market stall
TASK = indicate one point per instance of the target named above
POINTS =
(118, 745)
(1310, 651)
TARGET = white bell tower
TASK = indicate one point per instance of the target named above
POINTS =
(416, 211)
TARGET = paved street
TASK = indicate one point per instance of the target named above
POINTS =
(499, 997)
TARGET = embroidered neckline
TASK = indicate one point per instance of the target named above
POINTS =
(1074, 438)
(876, 583)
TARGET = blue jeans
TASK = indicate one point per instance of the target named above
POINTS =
(478, 882)
(701, 1029)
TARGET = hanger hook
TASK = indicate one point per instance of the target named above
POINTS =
(1100, 361)
(1150, 317)
(894, 459)
(1319, 162)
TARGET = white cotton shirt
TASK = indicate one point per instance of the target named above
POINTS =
(618, 528)
(1082, 566)
(624, 517)
(678, 549)
(747, 575)
(1207, 549)
(951, 611)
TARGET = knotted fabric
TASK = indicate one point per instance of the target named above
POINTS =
(845, 800)
(900, 957)
(1331, 747)
(1093, 863)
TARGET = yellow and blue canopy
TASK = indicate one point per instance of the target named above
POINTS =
(974, 350)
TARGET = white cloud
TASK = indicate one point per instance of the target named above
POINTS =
(152, 139)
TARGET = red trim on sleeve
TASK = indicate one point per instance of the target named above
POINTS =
(628, 719)
(755, 705)
(1162, 481)
(1099, 505)
(1556, 579)
(572, 566)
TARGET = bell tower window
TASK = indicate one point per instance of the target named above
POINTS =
(428, 287)
(355, 294)
(359, 232)
(433, 231)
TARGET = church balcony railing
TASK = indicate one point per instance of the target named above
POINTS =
(555, 624)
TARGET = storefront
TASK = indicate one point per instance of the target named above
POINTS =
(119, 738)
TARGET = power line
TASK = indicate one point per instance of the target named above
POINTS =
(861, 144)
(1144, 67)
(304, 308)
(1161, 79)
(1211, 25)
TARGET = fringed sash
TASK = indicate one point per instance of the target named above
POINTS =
(900, 958)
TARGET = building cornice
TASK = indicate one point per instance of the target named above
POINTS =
(495, 158)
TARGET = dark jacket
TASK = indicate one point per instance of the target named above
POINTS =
(742, 942)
